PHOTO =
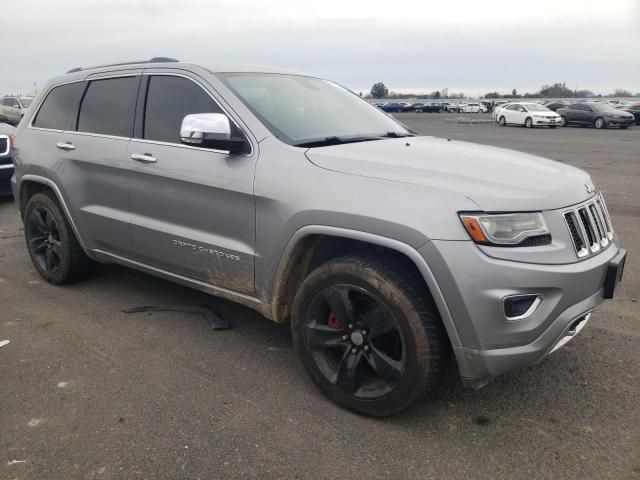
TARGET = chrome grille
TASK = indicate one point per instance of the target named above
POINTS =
(590, 226)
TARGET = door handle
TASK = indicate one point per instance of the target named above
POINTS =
(143, 157)
(65, 146)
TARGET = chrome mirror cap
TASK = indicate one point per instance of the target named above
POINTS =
(198, 128)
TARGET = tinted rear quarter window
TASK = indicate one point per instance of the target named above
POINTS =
(108, 107)
(169, 100)
(60, 108)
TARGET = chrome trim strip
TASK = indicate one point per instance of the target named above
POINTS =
(530, 311)
(39, 106)
(595, 246)
(89, 78)
(598, 224)
(6, 166)
(168, 273)
(569, 336)
(607, 217)
(247, 300)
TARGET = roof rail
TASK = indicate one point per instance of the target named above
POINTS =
(152, 60)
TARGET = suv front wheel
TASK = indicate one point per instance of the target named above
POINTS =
(52, 245)
(369, 334)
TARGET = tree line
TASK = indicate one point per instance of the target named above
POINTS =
(557, 90)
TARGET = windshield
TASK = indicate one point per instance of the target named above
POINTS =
(26, 102)
(536, 107)
(301, 110)
(603, 107)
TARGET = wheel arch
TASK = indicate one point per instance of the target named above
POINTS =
(310, 246)
(32, 184)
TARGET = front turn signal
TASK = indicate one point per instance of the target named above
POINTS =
(474, 229)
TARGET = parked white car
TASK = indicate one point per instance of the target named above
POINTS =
(14, 108)
(473, 108)
(495, 113)
(529, 114)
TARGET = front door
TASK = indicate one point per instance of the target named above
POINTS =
(192, 208)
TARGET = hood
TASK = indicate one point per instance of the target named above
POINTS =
(495, 178)
(622, 113)
(545, 114)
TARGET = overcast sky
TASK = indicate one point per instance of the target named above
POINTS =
(471, 46)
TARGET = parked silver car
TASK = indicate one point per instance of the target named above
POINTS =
(386, 251)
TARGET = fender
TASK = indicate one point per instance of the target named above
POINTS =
(374, 239)
(63, 204)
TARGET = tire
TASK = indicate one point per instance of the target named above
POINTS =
(552, 126)
(502, 121)
(624, 127)
(599, 123)
(355, 360)
(528, 123)
(52, 245)
(563, 121)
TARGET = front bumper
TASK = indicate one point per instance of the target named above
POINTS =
(620, 122)
(546, 121)
(474, 287)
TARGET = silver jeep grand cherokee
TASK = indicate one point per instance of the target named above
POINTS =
(385, 250)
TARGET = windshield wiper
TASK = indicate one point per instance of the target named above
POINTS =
(335, 141)
(397, 135)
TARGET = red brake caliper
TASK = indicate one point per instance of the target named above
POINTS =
(333, 321)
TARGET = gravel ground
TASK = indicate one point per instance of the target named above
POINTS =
(87, 391)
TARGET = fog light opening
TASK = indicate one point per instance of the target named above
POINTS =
(518, 307)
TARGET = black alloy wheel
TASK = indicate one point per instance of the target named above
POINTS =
(369, 334)
(52, 245)
(355, 341)
(44, 239)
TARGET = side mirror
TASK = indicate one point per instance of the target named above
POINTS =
(210, 130)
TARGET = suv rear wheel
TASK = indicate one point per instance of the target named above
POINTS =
(369, 335)
(52, 245)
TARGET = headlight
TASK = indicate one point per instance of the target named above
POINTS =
(504, 229)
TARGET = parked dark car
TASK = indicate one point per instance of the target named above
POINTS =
(432, 107)
(635, 111)
(555, 105)
(396, 107)
(597, 114)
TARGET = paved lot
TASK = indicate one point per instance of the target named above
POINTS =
(87, 391)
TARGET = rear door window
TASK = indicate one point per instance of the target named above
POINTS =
(60, 109)
(169, 100)
(108, 107)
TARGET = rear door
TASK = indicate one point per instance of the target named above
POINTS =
(94, 172)
(588, 116)
(511, 114)
(192, 208)
(574, 114)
